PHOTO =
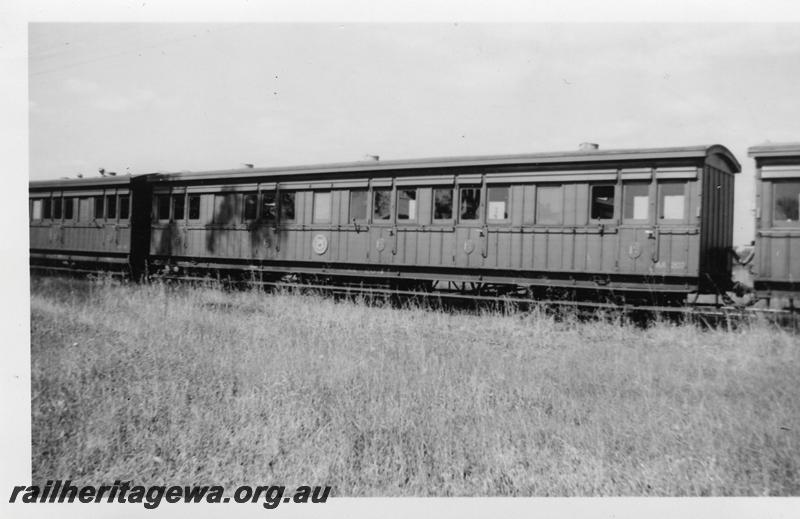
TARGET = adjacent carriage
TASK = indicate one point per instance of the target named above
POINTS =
(88, 224)
(776, 271)
(652, 222)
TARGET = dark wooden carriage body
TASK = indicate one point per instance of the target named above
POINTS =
(89, 223)
(776, 270)
(648, 220)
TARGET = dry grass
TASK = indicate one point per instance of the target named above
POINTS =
(185, 385)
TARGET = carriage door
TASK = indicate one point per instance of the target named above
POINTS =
(357, 229)
(178, 224)
(471, 233)
(57, 229)
(495, 244)
(264, 233)
(672, 230)
(383, 231)
(638, 233)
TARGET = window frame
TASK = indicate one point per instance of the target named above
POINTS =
(281, 215)
(127, 198)
(314, 205)
(107, 203)
(406, 221)
(245, 196)
(507, 219)
(58, 208)
(442, 221)
(390, 211)
(634, 221)
(41, 209)
(262, 204)
(660, 201)
(615, 205)
(174, 206)
(101, 199)
(190, 197)
(47, 208)
(350, 217)
(478, 220)
(157, 199)
(776, 184)
(68, 201)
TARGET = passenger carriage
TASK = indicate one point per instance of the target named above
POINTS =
(654, 222)
(88, 224)
(776, 270)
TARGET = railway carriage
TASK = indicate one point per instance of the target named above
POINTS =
(89, 224)
(652, 222)
(777, 240)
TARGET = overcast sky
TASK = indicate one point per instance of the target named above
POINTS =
(140, 98)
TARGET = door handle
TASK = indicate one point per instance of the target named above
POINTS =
(652, 234)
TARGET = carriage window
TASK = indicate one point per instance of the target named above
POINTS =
(268, 206)
(85, 209)
(68, 205)
(124, 207)
(178, 207)
(636, 196)
(549, 205)
(322, 207)
(162, 207)
(787, 202)
(470, 201)
(498, 203)
(250, 206)
(98, 207)
(47, 210)
(225, 208)
(406, 204)
(194, 207)
(443, 204)
(358, 205)
(111, 207)
(671, 200)
(36, 210)
(287, 205)
(57, 208)
(381, 204)
(602, 202)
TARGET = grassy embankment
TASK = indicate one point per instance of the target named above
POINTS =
(199, 385)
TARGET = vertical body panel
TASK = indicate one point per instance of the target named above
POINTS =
(716, 231)
(594, 252)
(610, 250)
(539, 251)
(581, 252)
(793, 258)
(555, 256)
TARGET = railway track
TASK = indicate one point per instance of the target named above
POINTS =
(708, 314)
(703, 313)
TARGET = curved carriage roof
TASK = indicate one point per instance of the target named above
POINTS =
(581, 159)
(590, 158)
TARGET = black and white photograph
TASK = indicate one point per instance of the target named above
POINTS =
(276, 264)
